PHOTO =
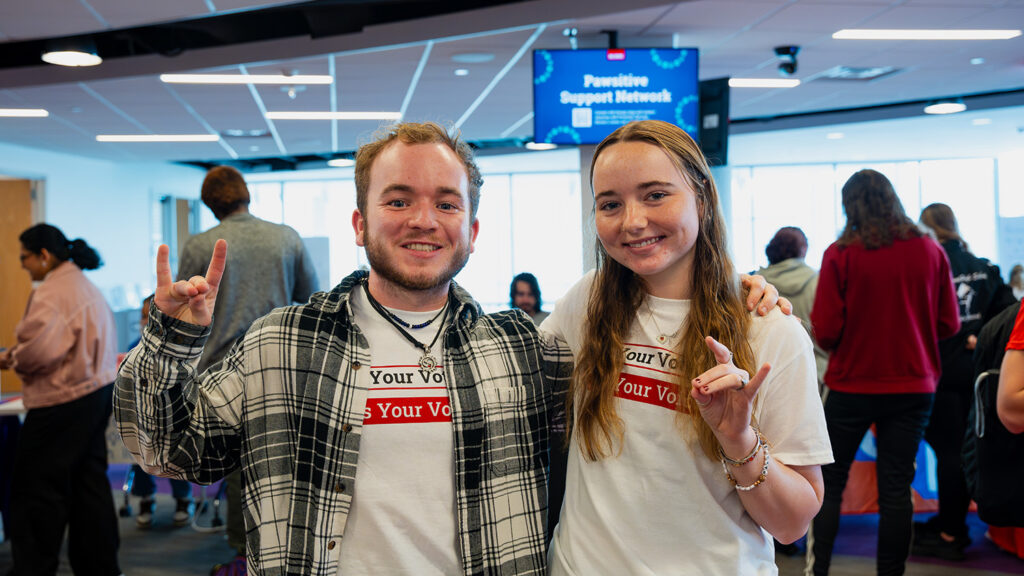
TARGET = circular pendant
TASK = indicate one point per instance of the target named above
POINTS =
(428, 362)
(662, 339)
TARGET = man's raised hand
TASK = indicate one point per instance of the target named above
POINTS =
(189, 300)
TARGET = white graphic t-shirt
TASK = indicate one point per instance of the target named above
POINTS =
(661, 506)
(403, 508)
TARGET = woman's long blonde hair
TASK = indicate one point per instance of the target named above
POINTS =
(716, 308)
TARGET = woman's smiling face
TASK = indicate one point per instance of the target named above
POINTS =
(646, 216)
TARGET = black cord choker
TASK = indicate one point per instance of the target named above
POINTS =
(405, 324)
(427, 360)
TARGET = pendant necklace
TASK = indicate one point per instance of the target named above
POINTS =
(427, 360)
(391, 315)
(662, 337)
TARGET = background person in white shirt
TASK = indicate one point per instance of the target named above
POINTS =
(665, 392)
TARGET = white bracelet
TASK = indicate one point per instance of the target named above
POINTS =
(761, 478)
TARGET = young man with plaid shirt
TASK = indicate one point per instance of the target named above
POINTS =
(385, 426)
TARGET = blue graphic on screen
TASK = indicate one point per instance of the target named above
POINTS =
(581, 96)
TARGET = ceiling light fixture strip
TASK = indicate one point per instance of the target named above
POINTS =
(314, 115)
(247, 79)
(157, 138)
(763, 82)
(23, 113)
(923, 34)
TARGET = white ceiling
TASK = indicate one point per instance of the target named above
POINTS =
(408, 66)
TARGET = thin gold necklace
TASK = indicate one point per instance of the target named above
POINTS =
(662, 337)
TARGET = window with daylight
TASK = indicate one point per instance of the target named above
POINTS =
(809, 196)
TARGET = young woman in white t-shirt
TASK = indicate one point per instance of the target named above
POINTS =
(684, 457)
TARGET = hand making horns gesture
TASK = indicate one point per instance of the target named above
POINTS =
(189, 300)
(725, 393)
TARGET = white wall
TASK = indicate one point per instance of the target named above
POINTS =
(109, 205)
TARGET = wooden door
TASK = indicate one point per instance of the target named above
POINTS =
(15, 284)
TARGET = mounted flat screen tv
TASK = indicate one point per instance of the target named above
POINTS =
(581, 96)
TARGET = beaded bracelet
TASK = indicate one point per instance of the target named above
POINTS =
(749, 457)
(761, 478)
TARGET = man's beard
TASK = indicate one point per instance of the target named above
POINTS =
(382, 265)
(527, 307)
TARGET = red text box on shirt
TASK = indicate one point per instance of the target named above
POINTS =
(407, 410)
(647, 390)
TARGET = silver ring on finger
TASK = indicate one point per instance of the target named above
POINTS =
(743, 382)
(730, 358)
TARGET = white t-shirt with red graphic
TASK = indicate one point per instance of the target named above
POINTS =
(403, 508)
(661, 506)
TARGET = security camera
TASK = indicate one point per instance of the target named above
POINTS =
(787, 59)
(571, 34)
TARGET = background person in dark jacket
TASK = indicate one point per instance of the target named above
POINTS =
(981, 294)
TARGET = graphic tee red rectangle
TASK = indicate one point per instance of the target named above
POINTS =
(647, 376)
(406, 394)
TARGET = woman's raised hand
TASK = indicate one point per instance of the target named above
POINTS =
(189, 300)
(725, 393)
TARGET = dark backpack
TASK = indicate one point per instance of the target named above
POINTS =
(993, 458)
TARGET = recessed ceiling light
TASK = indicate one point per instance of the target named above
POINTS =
(472, 57)
(71, 58)
(254, 148)
(23, 113)
(540, 146)
(461, 72)
(981, 121)
(157, 138)
(922, 34)
(236, 133)
(334, 115)
(977, 61)
(945, 108)
(341, 162)
(246, 79)
(835, 135)
(763, 82)
(863, 73)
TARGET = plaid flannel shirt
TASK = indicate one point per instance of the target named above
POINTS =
(287, 407)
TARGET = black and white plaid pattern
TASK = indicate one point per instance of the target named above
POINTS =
(287, 407)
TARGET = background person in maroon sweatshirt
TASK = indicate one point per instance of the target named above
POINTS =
(884, 300)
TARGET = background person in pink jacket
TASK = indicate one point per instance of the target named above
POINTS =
(66, 357)
(884, 300)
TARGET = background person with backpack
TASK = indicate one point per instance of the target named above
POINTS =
(993, 456)
(981, 294)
